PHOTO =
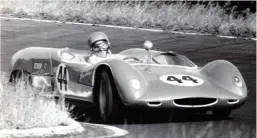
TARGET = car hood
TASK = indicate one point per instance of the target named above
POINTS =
(166, 82)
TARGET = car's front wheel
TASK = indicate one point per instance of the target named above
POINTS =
(107, 102)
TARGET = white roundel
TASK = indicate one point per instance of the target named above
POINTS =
(62, 78)
(181, 80)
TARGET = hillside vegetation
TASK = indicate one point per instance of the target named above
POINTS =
(178, 16)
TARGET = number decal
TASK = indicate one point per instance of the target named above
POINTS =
(181, 80)
(62, 78)
(173, 78)
(59, 78)
(189, 78)
(65, 78)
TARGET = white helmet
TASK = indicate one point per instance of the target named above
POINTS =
(95, 39)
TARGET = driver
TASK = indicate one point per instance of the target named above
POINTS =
(99, 44)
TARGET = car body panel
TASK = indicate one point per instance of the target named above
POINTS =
(138, 83)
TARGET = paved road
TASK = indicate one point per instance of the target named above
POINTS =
(201, 49)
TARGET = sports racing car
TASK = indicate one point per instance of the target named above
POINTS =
(136, 77)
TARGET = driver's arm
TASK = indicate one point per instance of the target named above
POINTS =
(90, 59)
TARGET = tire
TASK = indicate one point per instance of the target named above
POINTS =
(20, 75)
(222, 113)
(106, 99)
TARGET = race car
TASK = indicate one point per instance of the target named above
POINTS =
(136, 78)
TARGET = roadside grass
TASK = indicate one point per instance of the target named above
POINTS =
(179, 16)
(22, 107)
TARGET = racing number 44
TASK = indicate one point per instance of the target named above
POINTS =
(181, 80)
(185, 78)
(62, 77)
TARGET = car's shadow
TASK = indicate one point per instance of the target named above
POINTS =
(90, 115)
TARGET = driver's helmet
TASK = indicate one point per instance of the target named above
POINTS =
(98, 41)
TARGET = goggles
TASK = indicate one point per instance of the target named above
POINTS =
(100, 46)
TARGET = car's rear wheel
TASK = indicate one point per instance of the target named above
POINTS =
(18, 76)
(106, 98)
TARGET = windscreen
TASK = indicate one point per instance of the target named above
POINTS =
(173, 59)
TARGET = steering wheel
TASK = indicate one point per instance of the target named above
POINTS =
(134, 58)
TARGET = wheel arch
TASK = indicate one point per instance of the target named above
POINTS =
(16, 72)
(96, 81)
(122, 74)
(223, 73)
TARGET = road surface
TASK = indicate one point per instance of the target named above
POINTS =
(17, 34)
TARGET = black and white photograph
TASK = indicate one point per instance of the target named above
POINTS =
(127, 69)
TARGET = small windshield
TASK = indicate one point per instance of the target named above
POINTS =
(66, 56)
(173, 59)
(70, 58)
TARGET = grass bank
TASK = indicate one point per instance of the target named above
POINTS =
(179, 16)
(22, 107)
